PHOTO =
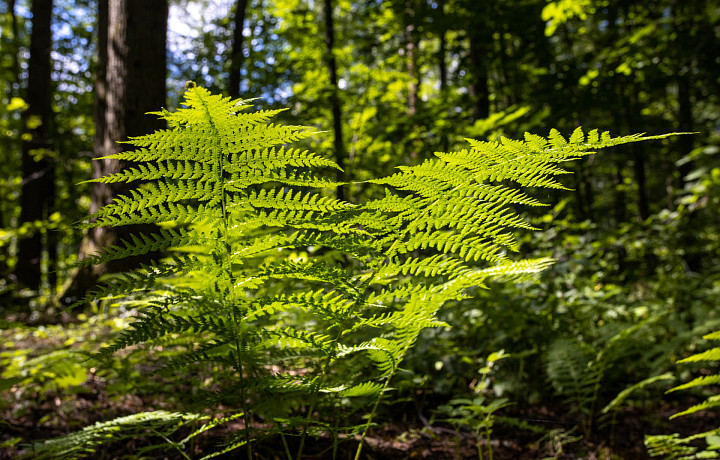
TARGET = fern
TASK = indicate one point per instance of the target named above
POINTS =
(576, 369)
(675, 447)
(159, 424)
(297, 331)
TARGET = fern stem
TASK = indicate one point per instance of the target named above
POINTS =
(478, 445)
(311, 407)
(171, 442)
(220, 159)
(372, 414)
(326, 365)
(285, 446)
(489, 447)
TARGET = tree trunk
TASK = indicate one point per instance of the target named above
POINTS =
(442, 65)
(236, 59)
(335, 97)
(633, 119)
(37, 166)
(412, 48)
(130, 81)
(479, 47)
(11, 90)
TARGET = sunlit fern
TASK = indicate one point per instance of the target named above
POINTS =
(304, 299)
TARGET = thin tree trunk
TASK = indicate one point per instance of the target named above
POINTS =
(410, 51)
(335, 97)
(632, 117)
(479, 46)
(686, 124)
(37, 167)
(14, 86)
(236, 58)
(411, 54)
(442, 65)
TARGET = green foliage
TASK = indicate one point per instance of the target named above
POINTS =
(290, 300)
(676, 447)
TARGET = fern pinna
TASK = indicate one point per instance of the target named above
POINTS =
(676, 447)
(293, 301)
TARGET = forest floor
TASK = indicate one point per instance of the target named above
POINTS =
(534, 432)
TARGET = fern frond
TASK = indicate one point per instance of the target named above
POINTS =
(515, 271)
(142, 243)
(710, 403)
(156, 193)
(90, 439)
(710, 355)
(275, 158)
(289, 199)
(154, 323)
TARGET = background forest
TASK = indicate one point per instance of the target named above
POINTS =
(574, 363)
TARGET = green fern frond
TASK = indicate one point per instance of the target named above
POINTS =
(157, 193)
(364, 389)
(250, 161)
(515, 271)
(90, 439)
(706, 380)
(710, 355)
(710, 403)
(142, 244)
(329, 304)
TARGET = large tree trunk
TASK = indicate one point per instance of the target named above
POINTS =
(37, 167)
(335, 96)
(236, 59)
(130, 82)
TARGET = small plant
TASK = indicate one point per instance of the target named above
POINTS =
(291, 303)
(477, 413)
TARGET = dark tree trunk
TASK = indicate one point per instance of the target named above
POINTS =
(15, 59)
(37, 167)
(236, 59)
(411, 54)
(686, 124)
(11, 91)
(442, 65)
(335, 96)
(130, 81)
(479, 47)
(633, 118)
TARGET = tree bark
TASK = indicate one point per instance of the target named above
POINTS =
(479, 47)
(334, 95)
(37, 167)
(634, 123)
(236, 59)
(130, 81)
